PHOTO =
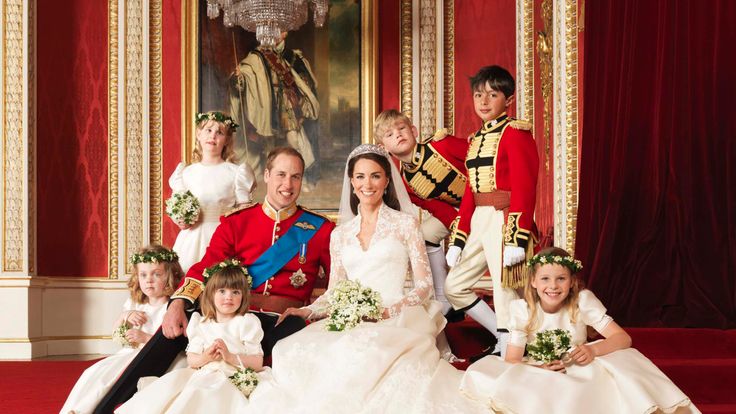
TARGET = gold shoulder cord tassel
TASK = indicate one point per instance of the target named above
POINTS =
(515, 277)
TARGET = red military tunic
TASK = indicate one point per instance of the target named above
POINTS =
(248, 233)
(502, 156)
(436, 177)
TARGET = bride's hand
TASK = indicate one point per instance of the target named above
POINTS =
(558, 366)
(300, 312)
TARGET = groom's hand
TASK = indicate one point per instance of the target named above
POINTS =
(303, 313)
(175, 321)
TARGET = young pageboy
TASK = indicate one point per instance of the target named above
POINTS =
(496, 228)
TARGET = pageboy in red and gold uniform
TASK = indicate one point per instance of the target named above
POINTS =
(434, 174)
(496, 230)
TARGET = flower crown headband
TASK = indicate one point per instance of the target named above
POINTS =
(154, 257)
(217, 117)
(368, 148)
(568, 261)
(225, 264)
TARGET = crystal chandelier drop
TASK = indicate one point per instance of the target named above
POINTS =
(267, 18)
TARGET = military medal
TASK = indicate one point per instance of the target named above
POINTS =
(298, 279)
(302, 254)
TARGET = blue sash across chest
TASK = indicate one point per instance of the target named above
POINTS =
(285, 248)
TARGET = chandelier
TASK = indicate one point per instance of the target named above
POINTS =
(267, 18)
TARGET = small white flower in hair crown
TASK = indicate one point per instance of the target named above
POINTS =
(367, 148)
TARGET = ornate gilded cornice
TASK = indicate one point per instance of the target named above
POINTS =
(112, 142)
(155, 128)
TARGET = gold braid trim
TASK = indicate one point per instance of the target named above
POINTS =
(515, 277)
(190, 290)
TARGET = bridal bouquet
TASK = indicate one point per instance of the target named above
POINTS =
(350, 303)
(118, 335)
(183, 207)
(549, 345)
(245, 379)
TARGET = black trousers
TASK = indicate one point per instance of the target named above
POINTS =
(158, 354)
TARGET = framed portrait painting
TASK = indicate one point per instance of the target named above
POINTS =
(314, 91)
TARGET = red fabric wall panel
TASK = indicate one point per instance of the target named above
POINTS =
(171, 57)
(72, 138)
(389, 55)
(485, 34)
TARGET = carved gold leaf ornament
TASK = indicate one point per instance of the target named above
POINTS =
(112, 147)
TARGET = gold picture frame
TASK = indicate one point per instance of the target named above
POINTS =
(322, 198)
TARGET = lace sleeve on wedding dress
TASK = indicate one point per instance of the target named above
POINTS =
(337, 273)
(408, 231)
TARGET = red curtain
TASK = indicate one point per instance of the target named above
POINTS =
(657, 208)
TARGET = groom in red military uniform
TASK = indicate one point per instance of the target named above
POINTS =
(283, 247)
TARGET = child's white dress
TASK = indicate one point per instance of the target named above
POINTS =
(218, 188)
(99, 378)
(623, 381)
(207, 389)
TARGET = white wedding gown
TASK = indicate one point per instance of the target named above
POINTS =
(392, 366)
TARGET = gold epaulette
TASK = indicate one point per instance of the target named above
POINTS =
(240, 208)
(438, 136)
(521, 124)
(314, 212)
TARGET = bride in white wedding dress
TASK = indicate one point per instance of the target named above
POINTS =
(390, 366)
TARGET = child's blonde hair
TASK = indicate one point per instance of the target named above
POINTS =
(386, 120)
(532, 298)
(228, 152)
(172, 271)
(227, 278)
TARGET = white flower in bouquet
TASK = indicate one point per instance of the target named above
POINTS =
(118, 335)
(549, 345)
(183, 207)
(350, 303)
(245, 379)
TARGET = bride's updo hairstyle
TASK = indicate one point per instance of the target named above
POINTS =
(380, 157)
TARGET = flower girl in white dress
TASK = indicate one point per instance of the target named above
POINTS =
(605, 376)
(218, 184)
(156, 275)
(221, 340)
(389, 366)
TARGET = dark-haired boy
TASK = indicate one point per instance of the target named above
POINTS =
(496, 229)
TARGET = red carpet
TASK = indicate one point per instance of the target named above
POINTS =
(702, 362)
(37, 386)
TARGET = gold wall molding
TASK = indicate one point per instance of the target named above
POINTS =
(449, 66)
(155, 146)
(134, 103)
(545, 48)
(18, 136)
(112, 141)
(407, 63)
(565, 95)
(427, 67)
(525, 59)
(135, 143)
